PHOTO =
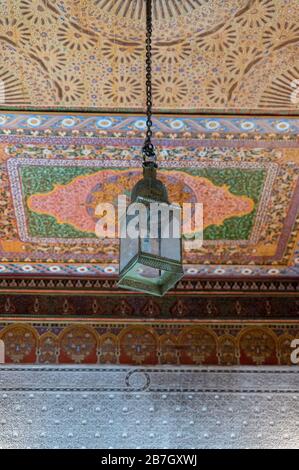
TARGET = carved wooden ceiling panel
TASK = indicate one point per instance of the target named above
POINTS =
(238, 55)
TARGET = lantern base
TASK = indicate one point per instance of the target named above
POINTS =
(150, 274)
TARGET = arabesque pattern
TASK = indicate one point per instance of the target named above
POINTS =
(251, 163)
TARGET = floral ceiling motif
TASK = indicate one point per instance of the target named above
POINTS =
(56, 168)
(74, 202)
(237, 55)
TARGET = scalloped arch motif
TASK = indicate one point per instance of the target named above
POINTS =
(156, 343)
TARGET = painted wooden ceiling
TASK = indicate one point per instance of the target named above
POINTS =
(234, 55)
(237, 56)
(209, 56)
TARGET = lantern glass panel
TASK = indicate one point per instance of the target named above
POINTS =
(151, 264)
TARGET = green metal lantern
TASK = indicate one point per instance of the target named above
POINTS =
(150, 264)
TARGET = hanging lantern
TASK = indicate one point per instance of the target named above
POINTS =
(150, 241)
(150, 250)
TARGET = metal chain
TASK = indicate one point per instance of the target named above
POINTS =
(148, 150)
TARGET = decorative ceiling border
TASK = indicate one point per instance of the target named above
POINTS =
(187, 286)
(158, 111)
(186, 127)
(175, 307)
(148, 379)
(14, 165)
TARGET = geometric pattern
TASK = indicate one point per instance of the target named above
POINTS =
(224, 56)
(104, 407)
(182, 304)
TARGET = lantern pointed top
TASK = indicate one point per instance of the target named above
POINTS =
(149, 187)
